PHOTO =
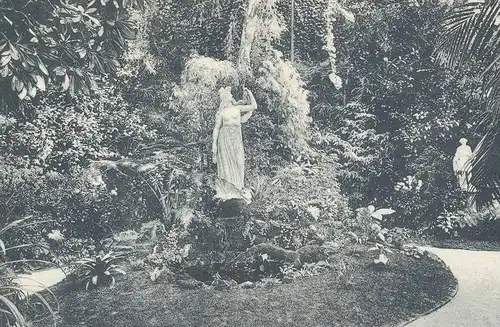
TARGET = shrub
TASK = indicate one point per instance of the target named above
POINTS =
(430, 189)
(300, 205)
(44, 172)
(482, 225)
(367, 228)
(397, 113)
(284, 100)
(99, 271)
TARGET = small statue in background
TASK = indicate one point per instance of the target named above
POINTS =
(461, 164)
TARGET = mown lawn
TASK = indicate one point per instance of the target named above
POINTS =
(365, 296)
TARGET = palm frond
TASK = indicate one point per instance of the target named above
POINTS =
(471, 32)
(13, 311)
(460, 28)
(472, 36)
(492, 117)
(485, 170)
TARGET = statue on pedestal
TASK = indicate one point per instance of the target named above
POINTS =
(227, 145)
(461, 164)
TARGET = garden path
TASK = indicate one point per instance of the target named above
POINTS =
(40, 280)
(476, 303)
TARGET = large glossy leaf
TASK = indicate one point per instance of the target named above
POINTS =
(52, 37)
(383, 212)
(5, 59)
(65, 84)
(42, 67)
(379, 213)
(40, 82)
(119, 270)
(14, 52)
(31, 90)
(2, 247)
(382, 259)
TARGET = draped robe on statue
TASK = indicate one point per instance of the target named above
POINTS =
(231, 157)
(461, 167)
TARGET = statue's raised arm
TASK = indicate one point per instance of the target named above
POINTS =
(248, 96)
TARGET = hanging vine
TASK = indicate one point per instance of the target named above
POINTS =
(333, 9)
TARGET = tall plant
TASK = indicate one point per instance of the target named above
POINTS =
(471, 39)
(15, 307)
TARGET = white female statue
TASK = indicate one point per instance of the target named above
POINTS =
(461, 164)
(227, 146)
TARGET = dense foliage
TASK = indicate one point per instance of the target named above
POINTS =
(363, 116)
(408, 112)
(62, 43)
(467, 41)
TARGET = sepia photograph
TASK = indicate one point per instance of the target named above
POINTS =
(249, 163)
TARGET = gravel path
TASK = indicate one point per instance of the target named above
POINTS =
(477, 301)
(39, 280)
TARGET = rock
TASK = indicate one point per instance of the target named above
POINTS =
(189, 283)
(276, 253)
(331, 246)
(232, 207)
(247, 285)
(222, 285)
(311, 253)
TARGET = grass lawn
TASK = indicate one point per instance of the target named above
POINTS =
(365, 296)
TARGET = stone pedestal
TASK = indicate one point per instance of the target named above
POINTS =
(231, 208)
(231, 219)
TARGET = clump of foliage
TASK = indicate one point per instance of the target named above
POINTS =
(281, 91)
(99, 271)
(300, 205)
(468, 223)
(429, 189)
(401, 104)
(44, 170)
(368, 224)
(351, 134)
(64, 43)
(466, 42)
